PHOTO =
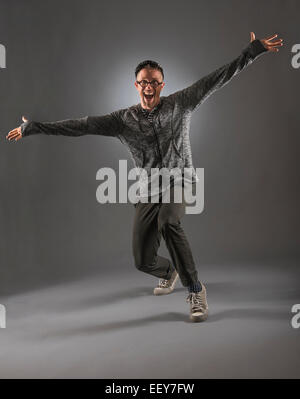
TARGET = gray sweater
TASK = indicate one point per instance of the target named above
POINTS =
(163, 141)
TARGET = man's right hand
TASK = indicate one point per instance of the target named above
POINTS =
(16, 134)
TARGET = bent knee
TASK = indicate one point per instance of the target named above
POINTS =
(142, 263)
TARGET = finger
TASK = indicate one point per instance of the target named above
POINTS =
(252, 36)
(277, 41)
(271, 37)
(24, 119)
(273, 49)
(13, 131)
(11, 136)
(275, 44)
(16, 137)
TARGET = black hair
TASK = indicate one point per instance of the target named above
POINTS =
(148, 64)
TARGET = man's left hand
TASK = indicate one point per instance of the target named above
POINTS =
(267, 43)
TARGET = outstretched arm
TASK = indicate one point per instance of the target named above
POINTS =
(105, 125)
(193, 96)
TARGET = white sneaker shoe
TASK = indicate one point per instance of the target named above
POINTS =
(166, 286)
(198, 305)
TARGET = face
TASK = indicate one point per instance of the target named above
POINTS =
(149, 95)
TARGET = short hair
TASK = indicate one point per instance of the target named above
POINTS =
(148, 64)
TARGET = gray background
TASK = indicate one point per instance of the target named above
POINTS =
(68, 59)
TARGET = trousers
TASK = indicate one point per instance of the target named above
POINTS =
(153, 221)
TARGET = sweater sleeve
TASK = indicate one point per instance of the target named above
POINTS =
(193, 96)
(105, 125)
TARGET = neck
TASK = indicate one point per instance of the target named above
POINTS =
(149, 109)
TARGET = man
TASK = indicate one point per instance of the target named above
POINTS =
(156, 132)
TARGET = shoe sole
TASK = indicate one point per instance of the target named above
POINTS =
(197, 319)
(157, 293)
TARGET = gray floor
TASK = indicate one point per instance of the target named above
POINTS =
(111, 326)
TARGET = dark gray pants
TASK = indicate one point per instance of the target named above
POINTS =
(153, 220)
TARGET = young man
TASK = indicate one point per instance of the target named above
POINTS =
(156, 132)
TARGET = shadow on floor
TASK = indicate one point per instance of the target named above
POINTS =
(106, 299)
(116, 325)
(250, 314)
(111, 298)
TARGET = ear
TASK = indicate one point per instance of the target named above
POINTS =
(136, 84)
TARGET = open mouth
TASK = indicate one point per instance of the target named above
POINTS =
(148, 96)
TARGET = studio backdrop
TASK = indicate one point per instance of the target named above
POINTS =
(70, 59)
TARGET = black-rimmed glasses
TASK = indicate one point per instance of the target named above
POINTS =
(153, 83)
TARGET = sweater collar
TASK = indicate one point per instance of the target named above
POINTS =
(157, 107)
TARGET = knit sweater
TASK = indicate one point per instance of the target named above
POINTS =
(163, 141)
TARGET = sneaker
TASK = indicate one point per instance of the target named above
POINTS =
(166, 286)
(198, 305)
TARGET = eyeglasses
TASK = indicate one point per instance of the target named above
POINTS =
(153, 83)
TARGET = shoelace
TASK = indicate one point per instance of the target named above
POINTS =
(164, 283)
(196, 300)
